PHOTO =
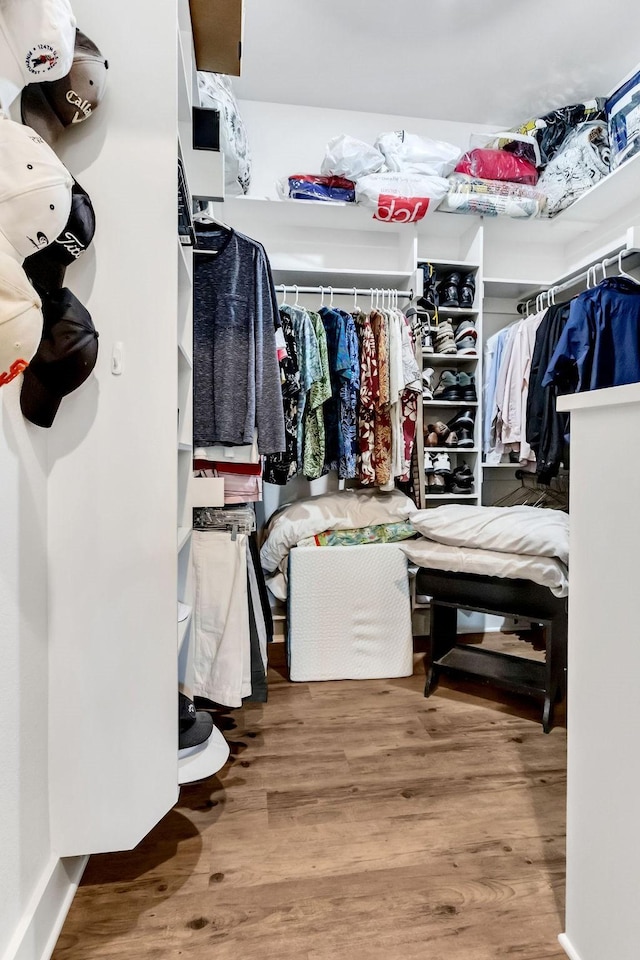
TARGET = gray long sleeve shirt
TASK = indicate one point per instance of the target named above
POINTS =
(235, 366)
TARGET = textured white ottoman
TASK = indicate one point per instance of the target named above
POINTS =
(349, 613)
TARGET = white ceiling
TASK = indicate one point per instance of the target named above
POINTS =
(483, 61)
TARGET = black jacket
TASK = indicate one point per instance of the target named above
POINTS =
(546, 428)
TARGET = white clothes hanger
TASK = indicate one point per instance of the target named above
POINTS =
(296, 302)
(355, 299)
(284, 295)
(207, 216)
(623, 273)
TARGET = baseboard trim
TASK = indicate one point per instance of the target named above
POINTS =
(45, 914)
(568, 947)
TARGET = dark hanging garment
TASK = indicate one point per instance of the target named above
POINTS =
(546, 428)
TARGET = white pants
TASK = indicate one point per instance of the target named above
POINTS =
(222, 651)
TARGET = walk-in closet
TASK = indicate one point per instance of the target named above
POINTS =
(319, 384)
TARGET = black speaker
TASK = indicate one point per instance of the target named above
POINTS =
(206, 129)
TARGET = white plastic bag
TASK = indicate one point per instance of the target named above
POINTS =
(216, 93)
(350, 158)
(400, 197)
(409, 153)
(501, 141)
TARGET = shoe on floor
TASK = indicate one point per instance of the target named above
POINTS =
(447, 387)
(466, 328)
(445, 342)
(466, 347)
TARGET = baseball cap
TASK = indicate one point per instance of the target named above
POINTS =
(47, 267)
(51, 107)
(195, 725)
(37, 38)
(35, 191)
(64, 359)
(20, 319)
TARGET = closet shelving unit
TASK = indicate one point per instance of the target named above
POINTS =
(207, 758)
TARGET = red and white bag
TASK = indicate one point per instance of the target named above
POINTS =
(401, 197)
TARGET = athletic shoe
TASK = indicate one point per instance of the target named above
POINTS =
(436, 483)
(448, 290)
(427, 383)
(445, 342)
(467, 384)
(448, 387)
(466, 328)
(466, 347)
(463, 418)
(462, 479)
(441, 463)
(467, 290)
(428, 462)
(427, 341)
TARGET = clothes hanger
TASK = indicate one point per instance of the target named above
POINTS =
(355, 299)
(207, 216)
(623, 273)
(296, 302)
(284, 295)
(331, 298)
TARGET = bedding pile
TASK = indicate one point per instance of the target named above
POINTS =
(343, 510)
(528, 543)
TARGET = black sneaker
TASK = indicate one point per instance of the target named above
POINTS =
(448, 290)
(463, 419)
(430, 293)
(467, 385)
(467, 291)
(462, 479)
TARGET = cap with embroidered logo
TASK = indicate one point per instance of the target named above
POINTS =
(35, 191)
(37, 38)
(47, 267)
(65, 357)
(195, 726)
(50, 108)
(20, 319)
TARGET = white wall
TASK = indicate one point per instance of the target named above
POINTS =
(285, 138)
(88, 558)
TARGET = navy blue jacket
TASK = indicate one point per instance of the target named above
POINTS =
(600, 344)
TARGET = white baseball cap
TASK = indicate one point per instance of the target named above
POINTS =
(35, 191)
(20, 320)
(37, 39)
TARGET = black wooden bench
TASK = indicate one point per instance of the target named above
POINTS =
(450, 592)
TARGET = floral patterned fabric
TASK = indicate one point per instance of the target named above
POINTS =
(382, 421)
(380, 533)
(314, 442)
(349, 403)
(280, 467)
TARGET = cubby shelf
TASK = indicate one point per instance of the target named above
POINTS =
(450, 357)
(450, 403)
(452, 450)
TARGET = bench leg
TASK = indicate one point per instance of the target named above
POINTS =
(443, 635)
(556, 657)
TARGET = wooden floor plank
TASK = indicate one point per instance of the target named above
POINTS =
(355, 818)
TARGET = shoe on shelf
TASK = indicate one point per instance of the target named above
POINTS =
(439, 430)
(445, 342)
(462, 479)
(466, 328)
(436, 483)
(467, 291)
(427, 340)
(441, 463)
(448, 289)
(465, 437)
(447, 387)
(467, 385)
(427, 383)
(452, 440)
(428, 462)
(430, 293)
(463, 418)
(466, 347)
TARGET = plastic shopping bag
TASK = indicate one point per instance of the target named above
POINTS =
(400, 197)
(347, 157)
(497, 165)
(409, 153)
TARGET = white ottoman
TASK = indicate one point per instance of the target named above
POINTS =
(349, 614)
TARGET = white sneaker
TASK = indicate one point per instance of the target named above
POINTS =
(428, 462)
(441, 463)
(427, 384)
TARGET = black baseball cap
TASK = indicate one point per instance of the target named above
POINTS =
(53, 106)
(46, 268)
(64, 359)
(195, 725)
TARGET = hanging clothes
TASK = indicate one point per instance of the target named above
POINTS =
(369, 394)
(309, 365)
(281, 467)
(409, 399)
(494, 348)
(340, 372)
(349, 393)
(516, 388)
(382, 421)
(313, 462)
(546, 427)
(600, 344)
(235, 366)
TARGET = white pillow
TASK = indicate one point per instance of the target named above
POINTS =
(534, 531)
(342, 510)
(546, 571)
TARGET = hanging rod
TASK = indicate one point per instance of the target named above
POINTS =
(583, 277)
(343, 291)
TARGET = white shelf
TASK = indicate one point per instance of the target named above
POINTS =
(185, 260)
(198, 763)
(511, 287)
(184, 447)
(452, 450)
(451, 311)
(449, 357)
(461, 404)
(430, 497)
(449, 265)
(184, 534)
(505, 466)
(342, 277)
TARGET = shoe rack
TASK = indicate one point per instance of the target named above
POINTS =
(450, 468)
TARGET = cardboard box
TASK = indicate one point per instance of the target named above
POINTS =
(623, 117)
(217, 35)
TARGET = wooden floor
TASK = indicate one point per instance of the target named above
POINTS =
(355, 820)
